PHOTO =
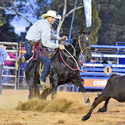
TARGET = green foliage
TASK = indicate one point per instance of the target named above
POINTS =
(96, 23)
(2, 18)
(6, 30)
(107, 17)
(112, 13)
(79, 19)
(7, 33)
(43, 5)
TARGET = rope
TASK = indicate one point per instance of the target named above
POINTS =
(38, 49)
(74, 51)
(78, 68)
(82, 51)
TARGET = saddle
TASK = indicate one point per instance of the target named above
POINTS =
(49, 53)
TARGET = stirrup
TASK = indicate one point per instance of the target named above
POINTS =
(44, 87)
(43, 84)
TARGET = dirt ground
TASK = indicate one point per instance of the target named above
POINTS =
(73, 108)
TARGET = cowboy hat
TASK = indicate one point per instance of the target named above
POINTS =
(52, 14)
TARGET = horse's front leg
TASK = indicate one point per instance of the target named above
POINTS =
(79, 84)
(36, 91)
(54, 82)
(31, 91)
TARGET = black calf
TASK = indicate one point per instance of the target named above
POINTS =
(115, 88)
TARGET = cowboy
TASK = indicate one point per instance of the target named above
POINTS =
(41, 32)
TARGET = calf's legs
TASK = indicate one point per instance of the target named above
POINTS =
(104, 108)
(97, 101)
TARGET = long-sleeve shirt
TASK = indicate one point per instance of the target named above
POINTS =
(41, 32)
(3, 54)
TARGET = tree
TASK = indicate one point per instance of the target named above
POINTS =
(112, 15)
(2, 19)
(64, 8)
(6, 30)
(79, 20)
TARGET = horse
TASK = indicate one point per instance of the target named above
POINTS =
(64, 67)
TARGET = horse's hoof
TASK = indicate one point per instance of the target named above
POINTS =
(30, 97)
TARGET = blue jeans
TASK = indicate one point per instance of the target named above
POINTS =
(28, 47)
(45, 60)
(46, 65)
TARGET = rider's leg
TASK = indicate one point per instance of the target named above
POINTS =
(26, 56)
(46, 67)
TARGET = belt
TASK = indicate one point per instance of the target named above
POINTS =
(31, 41)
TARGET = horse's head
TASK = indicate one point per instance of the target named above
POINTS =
(84, 45)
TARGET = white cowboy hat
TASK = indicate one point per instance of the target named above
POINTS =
(52, 14)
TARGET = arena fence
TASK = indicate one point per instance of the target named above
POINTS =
(106, 60)
(11, 78)
(9, 73)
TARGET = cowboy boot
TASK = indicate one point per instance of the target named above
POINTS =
(19, 61)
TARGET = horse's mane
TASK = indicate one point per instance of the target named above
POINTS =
(75, 35)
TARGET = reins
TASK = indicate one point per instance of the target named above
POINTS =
(82, 50)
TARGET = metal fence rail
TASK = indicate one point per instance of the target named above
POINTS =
(96, 74)
(11, 47)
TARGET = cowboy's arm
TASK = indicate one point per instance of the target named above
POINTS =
(46, 41)
(46, 38)
(55, 37)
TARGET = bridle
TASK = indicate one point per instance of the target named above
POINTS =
(82, 50)
(79, 42)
